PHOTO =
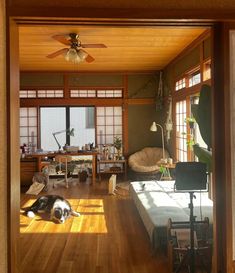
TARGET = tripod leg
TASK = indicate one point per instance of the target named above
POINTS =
(183, 261)
(202, 262)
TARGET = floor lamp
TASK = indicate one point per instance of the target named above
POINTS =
(153, 128)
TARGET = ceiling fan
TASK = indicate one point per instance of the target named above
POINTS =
(74, 53)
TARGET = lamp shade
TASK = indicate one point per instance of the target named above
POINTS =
(82, 55)
(72, 56)
(153, 127)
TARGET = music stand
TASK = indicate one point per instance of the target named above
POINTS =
(190, 177)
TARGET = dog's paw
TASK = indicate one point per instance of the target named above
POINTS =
(75, 213)
(30, 214)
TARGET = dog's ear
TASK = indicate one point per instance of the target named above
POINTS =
(58, 213)
(66, 213)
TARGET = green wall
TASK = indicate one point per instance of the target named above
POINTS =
(140, 117)
(41, 79)
(140, 120)
(142, 85)
(96, 80)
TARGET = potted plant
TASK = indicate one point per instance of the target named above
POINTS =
(117, 143)
(191, 121)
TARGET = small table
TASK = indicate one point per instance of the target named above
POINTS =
(165, 170)
(40, 156)
(122, 163)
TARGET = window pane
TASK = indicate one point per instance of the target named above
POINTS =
(78, 120)
(23, 131)
(52, 121)
(109, 130)
(100, 111)
(109, 120)
(109, 111)
(118, 111)
(23, 121)
(32, 121)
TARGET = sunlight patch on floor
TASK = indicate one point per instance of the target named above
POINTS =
(91, 220)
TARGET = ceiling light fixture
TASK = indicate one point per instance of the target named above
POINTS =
(75, 56)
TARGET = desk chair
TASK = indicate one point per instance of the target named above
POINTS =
(63, 159)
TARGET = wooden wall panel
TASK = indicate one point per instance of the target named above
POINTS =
(13, 153)
(3, 143)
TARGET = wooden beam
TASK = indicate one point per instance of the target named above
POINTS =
(135, 15)
(69, 102)
(13, 155)
(220, 148)
(141, 101)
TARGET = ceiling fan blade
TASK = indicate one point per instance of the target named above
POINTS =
(57, 53)
(89, 59)
(62, 39)
(93, 46)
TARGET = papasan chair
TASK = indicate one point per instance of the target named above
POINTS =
(145, 164)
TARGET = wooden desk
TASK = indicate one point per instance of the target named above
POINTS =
(123, 168)
(40, 156)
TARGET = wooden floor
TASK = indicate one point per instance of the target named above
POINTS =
(108, 237)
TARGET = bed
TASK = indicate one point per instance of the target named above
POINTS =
(156, 202)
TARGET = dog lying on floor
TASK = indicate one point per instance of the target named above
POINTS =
(58, 208)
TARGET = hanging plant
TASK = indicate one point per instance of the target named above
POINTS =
(159, 97)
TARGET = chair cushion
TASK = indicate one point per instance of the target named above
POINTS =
(146, 160)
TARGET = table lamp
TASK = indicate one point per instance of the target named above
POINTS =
(69, 132)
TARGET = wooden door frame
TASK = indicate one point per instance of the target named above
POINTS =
(222, 257)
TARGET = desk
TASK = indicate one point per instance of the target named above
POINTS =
(122, 164)
(40, 156)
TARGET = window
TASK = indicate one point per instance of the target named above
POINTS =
(180, 84)
(79, 120)
(194, 78)
(109, 93)
(109, 124)
(52, 120)
(207, 70)
(28, 127)
(80, 93)
(59, 119)
(52, 93)
(28, 94)
(181, 129)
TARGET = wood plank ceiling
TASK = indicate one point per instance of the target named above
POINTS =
(128, 48)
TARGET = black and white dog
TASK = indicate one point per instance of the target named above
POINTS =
(58, 208)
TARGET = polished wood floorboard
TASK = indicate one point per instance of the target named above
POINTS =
(108, 237)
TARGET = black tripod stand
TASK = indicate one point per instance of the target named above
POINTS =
(192, 253)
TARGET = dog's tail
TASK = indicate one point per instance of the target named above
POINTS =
(75, 213)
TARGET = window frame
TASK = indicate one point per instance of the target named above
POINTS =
(186, 94)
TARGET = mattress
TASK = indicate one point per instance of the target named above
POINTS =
(156, 202)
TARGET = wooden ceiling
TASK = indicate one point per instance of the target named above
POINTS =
(128, 48)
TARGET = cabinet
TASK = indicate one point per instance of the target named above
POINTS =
(112, 167)
(28, 166)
